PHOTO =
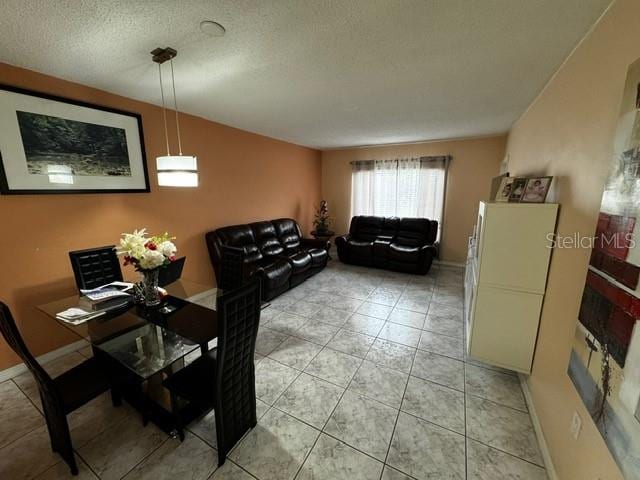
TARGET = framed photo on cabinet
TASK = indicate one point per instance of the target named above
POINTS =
(536, 189)
(53, 145)
(517, 189)
(504, 191)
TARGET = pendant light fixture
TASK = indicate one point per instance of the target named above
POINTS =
(173, 170)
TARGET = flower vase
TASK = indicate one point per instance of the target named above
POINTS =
(150, 287)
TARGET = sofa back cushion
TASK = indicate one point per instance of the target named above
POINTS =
(389, 226)
(288, 232)
(240, 236)
(366, 228)
(415, 232)
(266, 238)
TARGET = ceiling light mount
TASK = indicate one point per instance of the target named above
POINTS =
(161, 55)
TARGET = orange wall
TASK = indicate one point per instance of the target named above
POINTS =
(243, 177)
(568, 132)
(475, 162)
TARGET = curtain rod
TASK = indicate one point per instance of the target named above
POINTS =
(424, 157)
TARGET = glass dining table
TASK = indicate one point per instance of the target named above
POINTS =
(148, 344)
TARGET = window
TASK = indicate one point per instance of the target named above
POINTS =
(413, 187)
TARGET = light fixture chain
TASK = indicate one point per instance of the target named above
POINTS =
(175, 104)
(164, 110)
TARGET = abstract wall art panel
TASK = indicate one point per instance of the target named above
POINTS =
(605, 357)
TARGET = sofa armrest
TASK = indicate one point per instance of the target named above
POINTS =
(342, 239)
(315, 243)
(341, 246)
(434, 249)
(231, 267)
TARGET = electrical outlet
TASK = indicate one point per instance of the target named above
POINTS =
(576, 425)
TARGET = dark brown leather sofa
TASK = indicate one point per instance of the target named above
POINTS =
(274, 250)
(401, 244)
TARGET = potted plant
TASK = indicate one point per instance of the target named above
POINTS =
(322, 221)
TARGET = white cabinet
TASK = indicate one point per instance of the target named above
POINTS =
(505, 281)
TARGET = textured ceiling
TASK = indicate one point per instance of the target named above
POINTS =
(322, 73)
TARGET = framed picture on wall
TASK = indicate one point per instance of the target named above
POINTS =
(50, 144)
(536, 189)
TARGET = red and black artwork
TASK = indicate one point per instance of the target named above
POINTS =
(605, 358)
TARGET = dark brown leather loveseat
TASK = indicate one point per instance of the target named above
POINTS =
(274, 250)
(402, 244)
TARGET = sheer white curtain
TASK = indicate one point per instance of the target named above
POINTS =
(406, 187)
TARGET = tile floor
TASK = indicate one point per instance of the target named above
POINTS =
(360, 374)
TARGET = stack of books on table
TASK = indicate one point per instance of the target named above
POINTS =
(106, 297)
(76, 316)
(98, 301)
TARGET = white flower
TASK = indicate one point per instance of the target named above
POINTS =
(167, 248)
(132, 244)
(151, 259)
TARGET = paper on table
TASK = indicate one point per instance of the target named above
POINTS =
(110, 290)
(76, 316)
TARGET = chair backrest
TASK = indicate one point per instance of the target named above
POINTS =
(239, 317)
(171, 272)
(94, 267)
(230, 270)
(11, 334)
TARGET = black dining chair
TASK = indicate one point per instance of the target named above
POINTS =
(224, 378)
(231, 268)
(61, 395)
(95, 267)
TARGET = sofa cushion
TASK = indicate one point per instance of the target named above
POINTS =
(404, 253)
(274, 272)
(300, 261)
(381, 247)
(319, 257)
(413, 231)
(366, 227)
(266, 238)
(389, 227)
(361, 248)
(241, 236)
(288, 233)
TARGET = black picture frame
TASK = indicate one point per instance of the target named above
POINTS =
(5, 188)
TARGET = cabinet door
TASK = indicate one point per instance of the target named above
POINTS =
(504, 327)
(516, 245)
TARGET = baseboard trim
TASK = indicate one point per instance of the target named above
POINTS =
(448, 264)
(537, 427)
(16, 370)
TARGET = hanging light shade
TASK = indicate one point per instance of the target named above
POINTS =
(173, 170)
(177, 171)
